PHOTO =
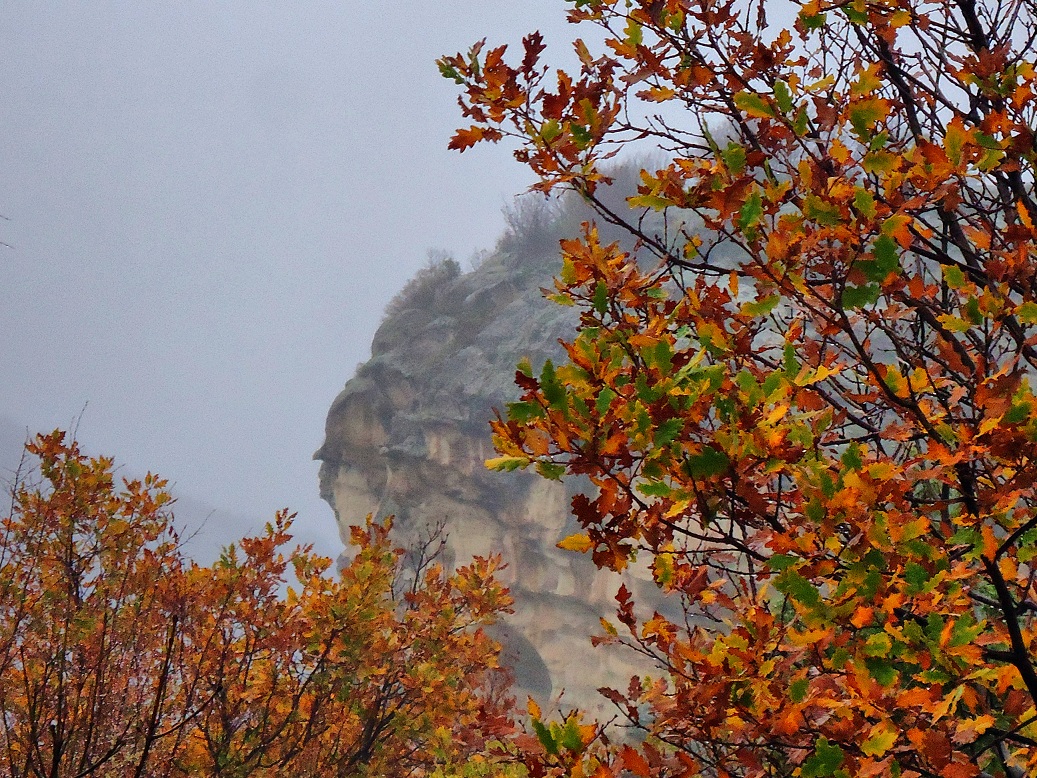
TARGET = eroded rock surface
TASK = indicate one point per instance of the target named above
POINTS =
(408, 436)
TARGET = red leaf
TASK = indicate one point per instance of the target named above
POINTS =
(534, 45)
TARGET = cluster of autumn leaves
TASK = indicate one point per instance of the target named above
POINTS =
(119, 657)
(804, 389)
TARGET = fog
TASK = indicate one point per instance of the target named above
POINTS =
(206, 208)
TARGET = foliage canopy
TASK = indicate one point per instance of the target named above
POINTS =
(120, 658)
(816, 415)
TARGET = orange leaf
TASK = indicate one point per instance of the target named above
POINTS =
(634, 762)
(465, 139)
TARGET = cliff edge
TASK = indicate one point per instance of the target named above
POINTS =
(409, 433)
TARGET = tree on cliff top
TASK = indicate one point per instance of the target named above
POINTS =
(823, 436)
(119, 658)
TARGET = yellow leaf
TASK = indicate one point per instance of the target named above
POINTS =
(808, 637)
(776, 414)
(988, 424)
(1024, 215)
(533, 708)
(969, 729)
(900, 18)
(839, 152)
(578, 542)
(880, 739)
(868, 81)
(954, 140)
(506, 463)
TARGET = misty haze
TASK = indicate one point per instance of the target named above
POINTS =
(206, 209)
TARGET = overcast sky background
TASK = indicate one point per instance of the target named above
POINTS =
(208, 206)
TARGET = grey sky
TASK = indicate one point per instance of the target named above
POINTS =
(210, 204)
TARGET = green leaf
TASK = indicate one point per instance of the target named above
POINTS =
(782, 96)
(753, 105)
(865, 114)
(864, 202)
(796, 587)
(916, 577)
(826, 759)
(859, 296)
(1018, 413)
(506, 463)
(649, 393)
(887, 259)
(821, 211)
(552, 388)
(570, 735)
(580, 134)
(966, 536)
(878, 644)
(855, 16)
(877, 162)
(550, 130)
(815, 510)
(882, 670)
(801, 123)
(953, 276)
(760, 307)
(634, 33)
(780, 562)
(601, 298)
(667, 432)
(523, 412)
(604, 401)
(972, 311)
(851, 457)
(752, 211)
(878, 141)
(734, 158)
(709, 462)
(1026, 313)
(550, 470)
(655, 489)
(449, 71)
(813, 21)
(655, 202)
(662, 356)
(879, 743)
(965, 630)
(798, 689)
(545, 737)
(791, 365)
(774, 383)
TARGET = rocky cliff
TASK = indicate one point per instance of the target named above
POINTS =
(408, 436)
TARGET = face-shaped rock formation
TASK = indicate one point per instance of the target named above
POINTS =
(409, 434)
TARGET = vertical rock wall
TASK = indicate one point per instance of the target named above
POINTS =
(408, 436)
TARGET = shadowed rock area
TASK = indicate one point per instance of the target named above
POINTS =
(408, 436)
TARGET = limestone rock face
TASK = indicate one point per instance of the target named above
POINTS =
(408, 436)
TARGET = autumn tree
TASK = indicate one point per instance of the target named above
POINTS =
(118, 657)
(814, 413)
